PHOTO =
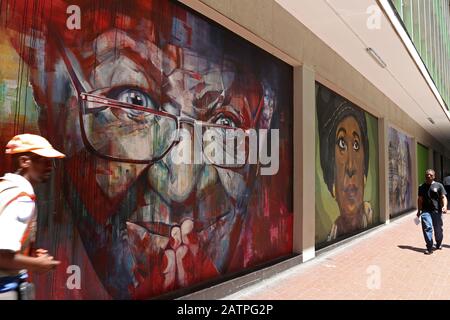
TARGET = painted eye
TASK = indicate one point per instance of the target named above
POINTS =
(225, 121)
(356, 145)
(341, 144)
(136, 97)
(133, 96)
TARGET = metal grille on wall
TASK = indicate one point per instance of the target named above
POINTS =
(428, 25)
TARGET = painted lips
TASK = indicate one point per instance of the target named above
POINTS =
(351, 191)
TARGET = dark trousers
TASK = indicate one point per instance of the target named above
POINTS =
(430, 221)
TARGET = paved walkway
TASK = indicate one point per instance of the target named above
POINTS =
(385, 264)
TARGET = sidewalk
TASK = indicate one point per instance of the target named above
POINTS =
(386, 264)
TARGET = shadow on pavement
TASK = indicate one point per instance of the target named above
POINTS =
(421, 250)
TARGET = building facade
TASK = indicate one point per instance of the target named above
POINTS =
(159, 196)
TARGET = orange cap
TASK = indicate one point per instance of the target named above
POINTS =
(32, 143)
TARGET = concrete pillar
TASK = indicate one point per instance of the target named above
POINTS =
(383, 169)
(416, 179)
(304, 162)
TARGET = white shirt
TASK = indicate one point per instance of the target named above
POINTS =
(15, 218)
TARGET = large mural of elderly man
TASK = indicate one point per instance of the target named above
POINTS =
(400, 172)
(346, 168)
(121, 91)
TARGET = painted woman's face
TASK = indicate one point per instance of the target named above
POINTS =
(186, 210)
(111, 95)
(349, 157)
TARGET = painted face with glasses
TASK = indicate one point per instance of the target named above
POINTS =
(126, 118)
(132, 128)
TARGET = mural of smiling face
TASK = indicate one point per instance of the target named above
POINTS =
(186, 207)
(150, 228)
(188, 211)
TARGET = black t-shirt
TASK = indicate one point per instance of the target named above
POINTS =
(432, 194)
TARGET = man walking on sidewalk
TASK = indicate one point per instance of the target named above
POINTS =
(32, 157)
(431, 204)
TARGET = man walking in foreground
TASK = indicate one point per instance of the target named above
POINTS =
(32, 156)
(431, 204)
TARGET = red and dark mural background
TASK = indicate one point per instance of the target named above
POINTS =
(140, 230)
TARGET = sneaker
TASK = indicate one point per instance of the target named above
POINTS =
(428, 251)
(438, 248)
